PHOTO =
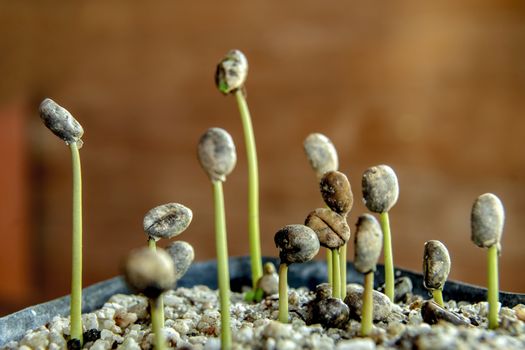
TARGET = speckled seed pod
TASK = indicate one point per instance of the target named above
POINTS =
(61, 122)
(231, 72)
(296, 243)
(336, 192)
(486, 220)
(368, 243)
(436, 265)
(380, 188)
(182, 255)
(149, 272)
(217, 154)
(330, 227)
(321, 154)
(167, 220)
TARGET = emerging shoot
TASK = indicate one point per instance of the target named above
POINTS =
(368, 242)
(380, 194)
(297, 244)
(216, 152)
(230, 77)
(151, 273)
(63, 125)
(436, 267)
(487, 219)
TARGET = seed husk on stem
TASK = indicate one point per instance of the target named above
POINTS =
(67, 128)
(380, 194)
(230, 78)
(216, 152)
(487, 220)
(436, 267)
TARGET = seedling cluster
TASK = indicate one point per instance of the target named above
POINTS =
(152, 271)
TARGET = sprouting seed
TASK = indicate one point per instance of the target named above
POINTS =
(217, 154)
(182, 254)
(167, 220)
(321, 154)
(436, 267)
(231, 72)
(297, 244)
(487, 220)
(61, 122)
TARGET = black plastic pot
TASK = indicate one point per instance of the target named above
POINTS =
(14, 326)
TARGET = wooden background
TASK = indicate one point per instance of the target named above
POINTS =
(436, 90)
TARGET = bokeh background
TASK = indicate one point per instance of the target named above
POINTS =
(434, 89)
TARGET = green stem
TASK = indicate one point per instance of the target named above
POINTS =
(438, 297)
(222, 264)
(76, 272)
(153, 246)
(493, 289)
(253, 189)
(367, 313)
(336, 290)
(156, 327)
(283, 293)
(342, 260)
(389, 261)
(329, 268)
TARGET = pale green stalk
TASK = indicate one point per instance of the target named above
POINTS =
(342, 260)
(160, 341)
(329, 269)
(367, 311)
(493, 289)
(389, 261)
(160, 306)
(76, 273)
(283, 293)
(336, 290)
(253, 189)
(223, 274)
(437, 294)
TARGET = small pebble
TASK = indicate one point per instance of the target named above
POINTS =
(356, 344)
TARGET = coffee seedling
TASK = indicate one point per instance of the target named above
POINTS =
(151, 273)
(368, 241)
(487, 219)
(436, 267)
(216, 152)
(332, 232)
(380, 194)
(337, 194)
(322, 156)
(297, 244)
(230, 77)
(63, 125)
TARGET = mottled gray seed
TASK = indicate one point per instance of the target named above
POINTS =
(380, 188)
(436, 265)
(336, 192)
(368, 243)
(487, 220)
(182, 255)
(149, 272)
(296, 243)
(217, 154)
(231, 72)
(402, 288)
(321, 154)
(167, 220)
(58, 119)
(354, 300)
(323, 291)
(330, 313)
(432, 313)
(269, 281)
(330, 227)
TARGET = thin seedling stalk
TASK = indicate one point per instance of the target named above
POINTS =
(253, 189)
(437, 295)
(283, 293)
(342, 261)
(492, 292)
(368, 305)
(159, 309)
(389, 260)
(222, 264)
(160, 341)
(76, 273)
(329, 268)
(336, 291)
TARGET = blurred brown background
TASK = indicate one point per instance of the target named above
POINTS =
(436, 90)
